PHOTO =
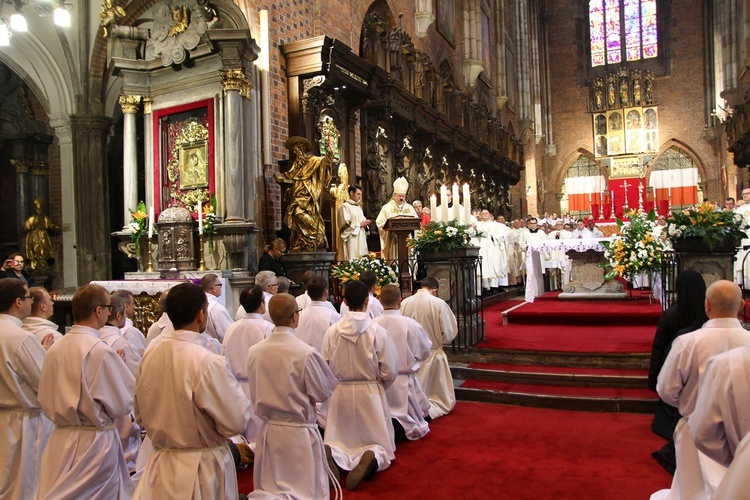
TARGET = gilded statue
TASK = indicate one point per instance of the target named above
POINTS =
(598, 94)
(624, 87)
(611, 93)
(309, 176)
(180, 18)
(38, 244)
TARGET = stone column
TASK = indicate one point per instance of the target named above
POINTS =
(129, 105)
(90, 133)
(236, 86)
(64, 133)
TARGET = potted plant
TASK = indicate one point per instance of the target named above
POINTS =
(634, 250)
(353, 269)
(705, 227)
(444, 238)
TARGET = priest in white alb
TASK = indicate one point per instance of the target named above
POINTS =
(396, 207)
(25, 428)
(84, 388)
(190, 404)
(435, 315)
(352, 225)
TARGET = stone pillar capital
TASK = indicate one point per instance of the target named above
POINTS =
(147, 102)
(129, 103)
(236, 79)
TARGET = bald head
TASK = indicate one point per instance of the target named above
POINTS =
(723, 300)
(281, 308)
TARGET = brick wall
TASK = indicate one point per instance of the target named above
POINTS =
(680, 94)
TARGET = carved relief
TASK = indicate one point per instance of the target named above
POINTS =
(178, 27)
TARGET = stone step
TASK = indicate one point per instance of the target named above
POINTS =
(629, 361)
(547, 375)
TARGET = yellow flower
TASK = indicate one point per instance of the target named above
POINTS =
(139, 215)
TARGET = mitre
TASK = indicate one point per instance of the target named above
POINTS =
(400, 186)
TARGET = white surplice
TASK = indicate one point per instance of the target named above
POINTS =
(434, 375)
(290, 461)
(722, 411)
(134, 336)
(388, 240)
(303, 300)
(41, 327)
(407, 401)
(696, 475)
(190, 404)
(84, 388)
(25, 428)
(162, 325)
(240, 337)
(736, 482)
(374, 307)
(314, 320)
(219, 319)
(130, 432)
(353, 236)
(364, 360)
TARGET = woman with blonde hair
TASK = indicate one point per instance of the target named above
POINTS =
(269, 261)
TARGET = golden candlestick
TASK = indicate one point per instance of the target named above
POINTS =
(150, 268)
(202, 263)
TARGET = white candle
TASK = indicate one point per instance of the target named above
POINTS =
(150, 221)
(669, 192)
(454, 212)
(443, 203)
(589, 198)
(433, 206)
(200, 217)
(467, 204)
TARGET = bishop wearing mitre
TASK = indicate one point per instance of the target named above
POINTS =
(397, 206)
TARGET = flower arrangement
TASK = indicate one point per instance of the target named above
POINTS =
(137, 226)
(634, 250)
(209, 221)
(353, 269)
(713, 226)
(437, 236)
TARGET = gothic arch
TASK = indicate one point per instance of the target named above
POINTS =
(559, 179)
(690, 151)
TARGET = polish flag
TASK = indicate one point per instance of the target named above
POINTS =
(678, 186)
(584, 192)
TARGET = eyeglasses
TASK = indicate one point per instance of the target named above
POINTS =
(218, 284)
(27, 297)
(108, 306)
(295, 312)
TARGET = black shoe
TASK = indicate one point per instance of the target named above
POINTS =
(364, 471)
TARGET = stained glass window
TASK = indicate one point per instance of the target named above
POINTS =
(615, 25)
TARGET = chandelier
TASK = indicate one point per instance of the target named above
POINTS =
(17, 22)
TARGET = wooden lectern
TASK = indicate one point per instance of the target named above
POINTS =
(403, 227)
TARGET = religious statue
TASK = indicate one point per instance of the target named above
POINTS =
(611, 96)
(624, 91)
(38, 244)
(598, 94)
(648, 89)
(636, 88)
(309, 176)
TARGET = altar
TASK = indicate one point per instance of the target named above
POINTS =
(586, 276)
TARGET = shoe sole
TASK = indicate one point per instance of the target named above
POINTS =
(332, 463)
(363, 471)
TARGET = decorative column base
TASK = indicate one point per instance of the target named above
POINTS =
(456, 273)
(423, 21)
(239, 240)
(296, 264)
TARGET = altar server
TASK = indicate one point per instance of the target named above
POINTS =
(434, 375)
(364, 360)
(240, 337)
(25, 428)
(406, 400)
(698, 475)
(163, 324)
(218, 316)
(38, 322)
(316, 318)
(353, 225)
(204, 407)
(374, 307)
(290, 460)
(129, 332)
(84, 388)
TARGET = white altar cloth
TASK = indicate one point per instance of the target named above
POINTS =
(534, 275)
(155, 287)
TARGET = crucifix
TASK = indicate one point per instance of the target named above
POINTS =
(625, 206)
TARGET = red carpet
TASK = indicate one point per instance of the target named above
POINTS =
(483, 451)
(551, 324)
(548, 309)
(558, 369)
